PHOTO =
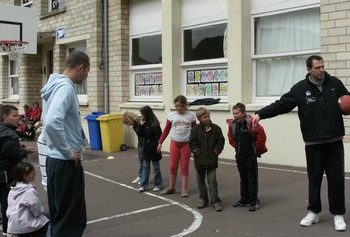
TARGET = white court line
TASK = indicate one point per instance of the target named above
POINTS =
(277, 169)
(127, 214)
(198, 218)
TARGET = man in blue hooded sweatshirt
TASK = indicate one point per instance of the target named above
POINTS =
(66, 144)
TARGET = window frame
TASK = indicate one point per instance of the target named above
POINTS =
(13, 76)
(61, 5)
(27, 4)
(83, 98)
(255, 57)
(140, 69)
(216, 63)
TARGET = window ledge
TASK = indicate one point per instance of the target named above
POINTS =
(214, 107)
(83, 103)
(10, 100)
(154, 106)
(53, 13)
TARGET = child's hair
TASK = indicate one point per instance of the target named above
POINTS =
(180, 98)
(21, 169)
(239, 106)
(6, 109)
(26, 106)
(201, 111)
(149, 116)
(128, 117)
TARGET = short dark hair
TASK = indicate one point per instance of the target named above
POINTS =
(239, 106)
(76, 58)
(6, 110)
(21, 169)
(312, 58)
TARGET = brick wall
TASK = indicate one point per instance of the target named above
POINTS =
(118, 54)
(335, 41)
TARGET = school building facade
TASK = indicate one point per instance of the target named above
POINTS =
(146, 52)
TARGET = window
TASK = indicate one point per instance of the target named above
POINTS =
(13, 75)
(204, 43)
(147, 50)
(146, 74)
(146, 78)
(56, 5)
(81, 88)
(282, 42)
(205, 65)
(27, 3)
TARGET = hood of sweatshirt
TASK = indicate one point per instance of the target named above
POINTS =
(19, 189)
(55, 81)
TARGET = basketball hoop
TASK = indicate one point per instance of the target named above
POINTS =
(14, 48)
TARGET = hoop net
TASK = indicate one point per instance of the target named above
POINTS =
(14, 48)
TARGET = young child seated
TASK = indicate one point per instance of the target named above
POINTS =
(29, 132)
(25, 212)
(21, 128)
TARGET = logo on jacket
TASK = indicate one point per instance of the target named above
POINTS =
(309, 97)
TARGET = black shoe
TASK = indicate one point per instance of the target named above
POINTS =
(254, 207)
(201, 204)
(240, 204)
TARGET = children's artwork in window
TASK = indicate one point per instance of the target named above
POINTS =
(148, 84)
(207, 82)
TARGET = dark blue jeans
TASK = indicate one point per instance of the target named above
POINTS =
(158, 181)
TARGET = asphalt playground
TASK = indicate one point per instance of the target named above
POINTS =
(116, 208)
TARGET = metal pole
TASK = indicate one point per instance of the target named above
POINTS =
(105, 59)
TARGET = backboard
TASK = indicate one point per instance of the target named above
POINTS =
(19, 23)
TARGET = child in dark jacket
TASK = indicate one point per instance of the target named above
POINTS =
(11, 152)
(151, 132)
(206, 143)
(249, 143)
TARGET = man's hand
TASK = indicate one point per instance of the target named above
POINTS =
(30, 149)
(76, 156)
(255, 121)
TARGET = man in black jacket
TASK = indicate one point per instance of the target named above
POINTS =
(322, 128)
(11, 152)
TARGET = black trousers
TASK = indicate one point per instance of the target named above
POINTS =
(66, 198)
(248, 172)
(4, 193)
(201, 174)
(326, 158)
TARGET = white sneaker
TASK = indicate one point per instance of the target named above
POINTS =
(137, 180)
(142, 189)
(339, 223)
(309, 219)
(156, 189)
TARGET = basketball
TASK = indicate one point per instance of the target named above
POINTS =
(344, 104)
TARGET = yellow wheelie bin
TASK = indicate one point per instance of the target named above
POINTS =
(112, 132)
